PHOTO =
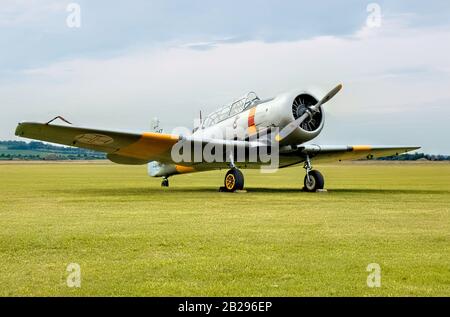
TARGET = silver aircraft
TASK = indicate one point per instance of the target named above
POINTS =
(248, 133)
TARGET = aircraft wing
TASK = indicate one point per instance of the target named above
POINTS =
(333, 153)
(135, 148)
(121, 147)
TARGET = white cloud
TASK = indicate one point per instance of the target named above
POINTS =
(27, 12)
(393, 73)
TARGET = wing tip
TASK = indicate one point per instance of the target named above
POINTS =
(19, 128)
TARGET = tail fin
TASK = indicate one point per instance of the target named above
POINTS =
(155, 126)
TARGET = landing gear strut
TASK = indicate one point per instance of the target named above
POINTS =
(313, 179)
(165, 182)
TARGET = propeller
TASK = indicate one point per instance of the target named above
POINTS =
(287, 130)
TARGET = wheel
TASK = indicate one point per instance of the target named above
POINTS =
(165, 182)
(234, 180)
(315, 182)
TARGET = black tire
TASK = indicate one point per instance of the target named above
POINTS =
(234, 180)
(165, 183)
(316, 181)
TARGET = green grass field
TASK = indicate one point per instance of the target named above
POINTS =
(131, 237)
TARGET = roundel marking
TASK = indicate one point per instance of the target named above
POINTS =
(94, 139)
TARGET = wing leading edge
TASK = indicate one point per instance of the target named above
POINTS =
(332, 153)
(121, 147)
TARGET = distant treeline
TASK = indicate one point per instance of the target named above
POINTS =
(20, 150)
(415, 157)
(34, 150)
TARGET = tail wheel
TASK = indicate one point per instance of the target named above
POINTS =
(315, 181)
(234, 180)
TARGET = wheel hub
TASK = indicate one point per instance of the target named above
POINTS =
(230, 181)
(310, 182)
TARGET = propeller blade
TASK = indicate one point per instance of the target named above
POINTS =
(294, 124)
(327, 97)
(290, 127)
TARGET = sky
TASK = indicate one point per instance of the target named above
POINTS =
(131, 61)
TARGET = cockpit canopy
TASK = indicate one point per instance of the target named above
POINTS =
(232, 109)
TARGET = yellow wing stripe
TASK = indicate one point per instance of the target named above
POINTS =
(150, 145)
(362, 148)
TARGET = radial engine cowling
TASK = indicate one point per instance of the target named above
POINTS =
(291, 106)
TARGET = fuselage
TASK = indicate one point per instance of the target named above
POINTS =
(250, 118)
(261, 115)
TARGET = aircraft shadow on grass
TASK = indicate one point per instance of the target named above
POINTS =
(142, 191)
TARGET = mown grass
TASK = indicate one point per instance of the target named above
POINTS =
(131, 237)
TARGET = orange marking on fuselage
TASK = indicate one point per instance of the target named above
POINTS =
(251, 117)
(251, 130)
(251, 121)
(184, 169)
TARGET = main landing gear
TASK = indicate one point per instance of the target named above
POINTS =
(234, 180)
(165, 182)
(313, 179)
